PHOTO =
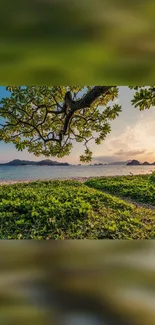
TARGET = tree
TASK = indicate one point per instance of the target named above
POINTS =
(49, 120)
(144, 97)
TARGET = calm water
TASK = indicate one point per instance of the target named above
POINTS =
(8, 173)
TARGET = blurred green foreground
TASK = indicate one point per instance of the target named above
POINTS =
(77, 42)
(77, 282)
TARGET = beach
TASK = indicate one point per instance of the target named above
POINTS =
(79, 179)
(20, 174)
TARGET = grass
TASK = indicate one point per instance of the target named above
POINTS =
(140, 188)
(70, 210)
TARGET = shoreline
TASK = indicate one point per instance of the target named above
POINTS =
(81, 179)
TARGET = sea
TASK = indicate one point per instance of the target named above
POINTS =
(23, 173)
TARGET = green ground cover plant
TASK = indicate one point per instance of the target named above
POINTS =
(69, 210)
(152, 178)
(140, 188)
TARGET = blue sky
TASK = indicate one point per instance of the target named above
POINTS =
(132, 137)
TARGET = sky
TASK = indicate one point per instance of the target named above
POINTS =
(132, 137)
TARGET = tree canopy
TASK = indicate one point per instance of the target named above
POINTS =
(49, 120)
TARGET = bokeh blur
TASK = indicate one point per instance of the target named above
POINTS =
(77, 282)
(77, 42)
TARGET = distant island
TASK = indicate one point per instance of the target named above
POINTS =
(137, 163)
(126, 163)
(47, 162)
(113, 163)
(99, 164)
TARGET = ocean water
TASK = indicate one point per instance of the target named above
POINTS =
(13, 173)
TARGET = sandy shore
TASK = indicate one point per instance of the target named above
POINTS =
(79, 179)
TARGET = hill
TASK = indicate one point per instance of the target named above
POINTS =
(137, 163)
(47, 162)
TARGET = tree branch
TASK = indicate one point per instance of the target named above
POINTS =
(86, 101)
(66, 112)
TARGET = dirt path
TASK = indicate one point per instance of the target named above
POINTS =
(128, 200)
(138, 204)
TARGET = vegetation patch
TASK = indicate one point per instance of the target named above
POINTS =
(152, 178)
(140, 188)
(69, 210)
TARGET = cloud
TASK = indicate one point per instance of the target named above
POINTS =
(129, 153)
(105, 159)
(135, 138)
(121, 155)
